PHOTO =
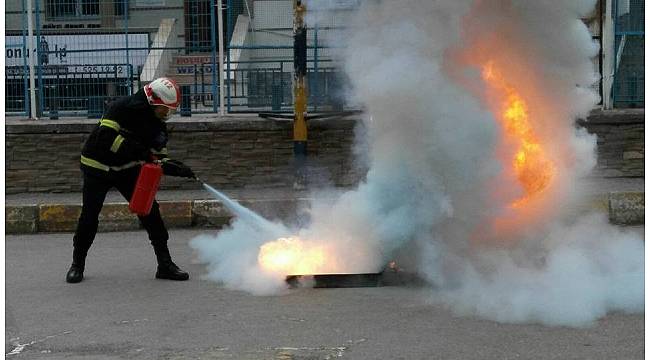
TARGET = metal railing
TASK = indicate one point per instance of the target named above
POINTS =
(255, 86)
(79, 68)
(86, 90)
(80, 90)
(17, 87)
(629, 76)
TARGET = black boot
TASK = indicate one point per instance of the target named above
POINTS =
(76, 272)
(166, 267)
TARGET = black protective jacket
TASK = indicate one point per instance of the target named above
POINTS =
(127, 135)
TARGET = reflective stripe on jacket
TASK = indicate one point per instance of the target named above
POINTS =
(97, 165)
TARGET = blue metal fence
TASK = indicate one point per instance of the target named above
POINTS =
(629, 29)
(76, 71)
(16, 85)
(259, 56)
(90, 51)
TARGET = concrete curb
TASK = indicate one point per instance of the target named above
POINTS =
(627, 208)
(624, 208)
(115, 216)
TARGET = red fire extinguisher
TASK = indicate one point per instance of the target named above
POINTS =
(145, 189)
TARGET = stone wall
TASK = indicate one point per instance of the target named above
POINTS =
(621, 141)
(246, 151)
(43, 156)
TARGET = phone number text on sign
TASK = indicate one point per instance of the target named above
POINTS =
(100, 69)
(74, 71)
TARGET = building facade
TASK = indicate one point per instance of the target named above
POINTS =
(88, 51)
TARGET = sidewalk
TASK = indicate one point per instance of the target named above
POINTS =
(622, 198)
(28, 213)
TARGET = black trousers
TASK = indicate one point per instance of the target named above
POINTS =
(94, 193)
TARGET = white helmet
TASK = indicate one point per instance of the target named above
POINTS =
(163, 91)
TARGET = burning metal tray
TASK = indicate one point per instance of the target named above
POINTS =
(335, 280)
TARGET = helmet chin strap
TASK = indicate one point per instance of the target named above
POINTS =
(167, 115)
(170, 112)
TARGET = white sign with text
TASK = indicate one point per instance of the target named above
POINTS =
(107, 54)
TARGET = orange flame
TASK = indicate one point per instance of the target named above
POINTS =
(531, 165)
(291, 256)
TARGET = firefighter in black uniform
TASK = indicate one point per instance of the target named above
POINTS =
(131, 132)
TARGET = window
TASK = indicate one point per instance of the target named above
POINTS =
(90, 7)
(67, 9)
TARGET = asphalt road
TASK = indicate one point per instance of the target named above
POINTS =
(121, 312)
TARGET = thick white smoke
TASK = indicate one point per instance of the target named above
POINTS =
(577, 273)
(232, 256)
(435, 181)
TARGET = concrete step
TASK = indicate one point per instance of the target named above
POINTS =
(624, 208)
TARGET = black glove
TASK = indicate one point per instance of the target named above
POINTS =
(177, 168)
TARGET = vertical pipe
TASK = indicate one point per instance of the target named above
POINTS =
(614, 54)
(26, 92)
(281, 83)
(125, 8)
(609, 54)
(222, 108)
(37, 57)
(299, 73)
(229, 36)
(32, 55)
(316, 87)
(299, 93)
(600, 51)
(213, 46)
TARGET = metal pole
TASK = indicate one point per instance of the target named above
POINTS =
(213, 45)
(617, 53)
(299, 86)
(229, 34)
(25, 68)
(32, 55)
(41, 82)
(600, 51)
(125, 10)
(316, 83)
(299, 92)
(222, 106)
(608, 55)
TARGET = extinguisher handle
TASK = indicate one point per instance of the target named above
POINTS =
(154, 159)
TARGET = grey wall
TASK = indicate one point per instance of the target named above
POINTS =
(247, 152)
(43, 156)
(621, 141)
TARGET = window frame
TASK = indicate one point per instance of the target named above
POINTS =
(55, 10)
